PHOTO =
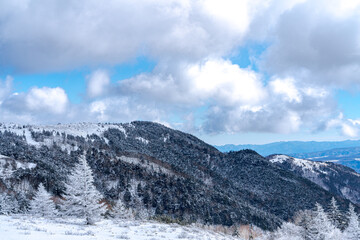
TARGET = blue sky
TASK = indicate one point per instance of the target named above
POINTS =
(228, 72)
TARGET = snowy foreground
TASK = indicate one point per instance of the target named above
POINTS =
(18, 227)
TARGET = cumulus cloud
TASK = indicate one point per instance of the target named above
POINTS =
(235, 99)
(195, 84)
(350, 130)
(53, 35)
(285, 109)
(317, 42)
(98, 83)
(313, 46)
(53, 100)
(348, 127)
(5, 88)
(286, 88)
(38, 104)
(113, 108)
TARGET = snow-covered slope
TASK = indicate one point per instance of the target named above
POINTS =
(338, 179)
(9, 165)
(306, 165)
(164, 171)
(53, 132)
(26, 227)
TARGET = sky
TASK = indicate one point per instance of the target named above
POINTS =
(230, 71)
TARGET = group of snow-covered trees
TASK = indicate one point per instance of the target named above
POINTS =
(81, 198)
(8, 204)
(320, 225)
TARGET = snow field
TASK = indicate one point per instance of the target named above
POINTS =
(18, 227)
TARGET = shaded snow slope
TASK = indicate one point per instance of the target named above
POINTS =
(338, 179)
(9, 165)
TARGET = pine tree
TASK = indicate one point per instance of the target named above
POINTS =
(334, 214)
(303, 219)
(8, 204)
(42, 205)
(288, 231)
(321, 227)
(121, 212)
(82, 198)
(353, 230)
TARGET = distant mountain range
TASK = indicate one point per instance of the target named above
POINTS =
(346, 153)
(349, 157)
(291, 147)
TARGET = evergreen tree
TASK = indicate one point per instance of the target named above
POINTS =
(303, 219)
(42, 205)
(335, 216)
(8, 204)
(320, 226)
(121, 212)
(82, 198)
(352, 231)
(288, 231)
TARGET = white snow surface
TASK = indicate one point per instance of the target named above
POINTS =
(279, 159)
(306, 165)
(148, 165)
(19, 227)
(7, 168)
(75, 129)
(143, 140)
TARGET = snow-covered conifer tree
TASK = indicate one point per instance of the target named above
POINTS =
(121, 212)
(353, 230)
(288, 231)
(8, 204)
(321, 227)
(42, 205)
(82, 199)
(334, 214)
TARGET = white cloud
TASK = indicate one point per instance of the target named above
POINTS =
(37, 105)
(349, 130)
(236, 99)
(98, 83)
(317, 42)
(115, 108)
(234, 14)
(226, 82)
(53, 100)
(348, 127)
(313, 47)
(286, 88)
(195, 84)
(52, 35)
(98, 108)
(5, 88)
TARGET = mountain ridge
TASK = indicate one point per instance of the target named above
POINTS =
(336, 178)
(290, 147)
(161, 171)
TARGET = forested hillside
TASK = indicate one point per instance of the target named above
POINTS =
(157, 172)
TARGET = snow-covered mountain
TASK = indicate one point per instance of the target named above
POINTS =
(337, 179)
(157, 170)
(291, 147)
(349, 157)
